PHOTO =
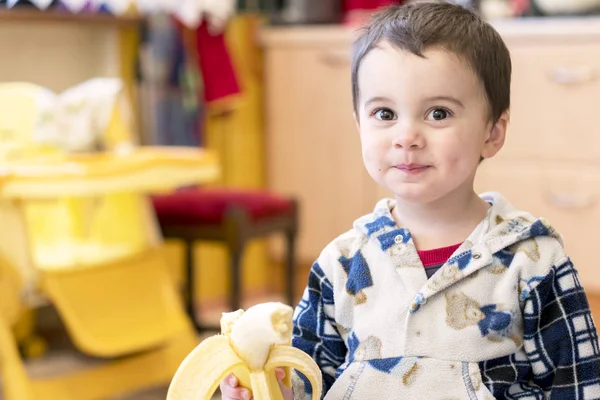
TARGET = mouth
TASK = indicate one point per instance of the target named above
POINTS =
(412, 168)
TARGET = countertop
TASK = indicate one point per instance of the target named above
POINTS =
(564, 29)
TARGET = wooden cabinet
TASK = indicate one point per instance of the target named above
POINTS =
(550, 165)
(313, 146)
(567, 195)
(554, 99)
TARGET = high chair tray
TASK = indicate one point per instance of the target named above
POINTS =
(140, 169)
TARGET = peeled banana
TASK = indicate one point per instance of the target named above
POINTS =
(251, 345)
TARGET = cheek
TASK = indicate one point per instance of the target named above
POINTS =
(373, 152)
(461, 153)
(372, 148)
(452, 152)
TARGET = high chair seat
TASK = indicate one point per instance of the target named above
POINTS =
(100, 322)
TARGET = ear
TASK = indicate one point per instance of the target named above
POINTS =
(496, 137)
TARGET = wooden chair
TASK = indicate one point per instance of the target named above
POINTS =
(232, 217)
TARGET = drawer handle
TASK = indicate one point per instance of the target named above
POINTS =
(565, 201)
(572, 76)
(335, 60)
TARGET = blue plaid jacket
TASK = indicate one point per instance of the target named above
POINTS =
(506, 317)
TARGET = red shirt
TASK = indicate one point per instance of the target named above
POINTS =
(434, 259)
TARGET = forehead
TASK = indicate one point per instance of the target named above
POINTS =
(388, 70)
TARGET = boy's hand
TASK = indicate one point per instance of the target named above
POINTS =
(230, 389)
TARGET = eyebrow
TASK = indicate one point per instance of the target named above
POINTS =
(377, 99)
(429, 99)
(447, 98)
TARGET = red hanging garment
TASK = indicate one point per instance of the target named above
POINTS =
(357, 12)
(220, 81)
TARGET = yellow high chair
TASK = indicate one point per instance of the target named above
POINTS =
(76, 230)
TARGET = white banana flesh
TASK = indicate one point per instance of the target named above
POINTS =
(252, 344)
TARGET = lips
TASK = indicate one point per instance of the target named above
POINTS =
(412, 169)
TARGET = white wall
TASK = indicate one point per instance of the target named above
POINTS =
(56, 56)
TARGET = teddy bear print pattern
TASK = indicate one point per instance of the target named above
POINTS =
(379, 328)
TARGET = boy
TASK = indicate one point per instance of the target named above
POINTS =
(441, 293)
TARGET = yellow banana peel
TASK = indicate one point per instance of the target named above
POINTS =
(252, 344)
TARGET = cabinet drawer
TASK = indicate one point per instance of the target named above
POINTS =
(569, 198)
(555, 92)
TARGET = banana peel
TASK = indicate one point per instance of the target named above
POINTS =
(252, 344)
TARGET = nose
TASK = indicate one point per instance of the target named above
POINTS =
(408, 136)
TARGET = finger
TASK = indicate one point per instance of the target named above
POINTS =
(280, 373)
(246, 395)
(229, 393)
(285, 391)
(230, 390)
(232, 381)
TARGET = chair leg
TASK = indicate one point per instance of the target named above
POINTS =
(290, 268)
(236, 231)
(190, 283)
(236, 284)
(290, 235)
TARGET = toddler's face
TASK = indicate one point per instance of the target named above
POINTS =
(424, 123)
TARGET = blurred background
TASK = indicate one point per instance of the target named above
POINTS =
(164, 161)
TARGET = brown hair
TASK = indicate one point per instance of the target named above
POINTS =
(418, 26)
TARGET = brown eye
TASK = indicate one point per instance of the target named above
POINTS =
(385, 114)
(439, 114)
